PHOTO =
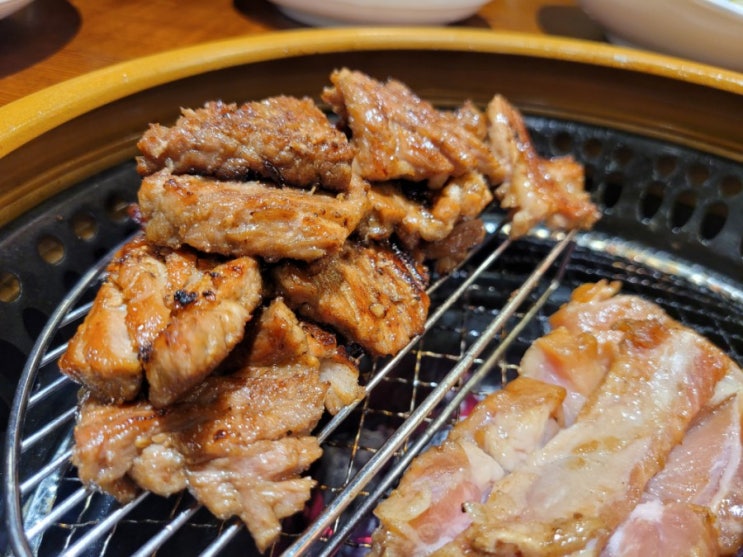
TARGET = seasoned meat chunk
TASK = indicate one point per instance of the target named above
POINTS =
(102, 354)
(396, 134)
(373, 295)
(536, 190)
(171, 314)
(283, 139)
(279, 338)
(248, 218)
(239, 442)
(206, 324)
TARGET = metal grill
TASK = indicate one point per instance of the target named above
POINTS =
(655, 197)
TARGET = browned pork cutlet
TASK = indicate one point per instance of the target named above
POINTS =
(442, 229)
(372, 294)
(244, 436)
(248, 218)
(283, 139)
(277, 337)
(536, 190)
(102, 354)
(206, 323)
(172, 314)
(396, 134)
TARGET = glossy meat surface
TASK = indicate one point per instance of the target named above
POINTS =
(536, 190)
(283, 139)
(572, 493)
(170, 315)
(238, 442)
(372, 295)
(396, 134)
(424, 513)
(248, 218)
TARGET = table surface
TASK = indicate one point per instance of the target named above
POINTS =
(50, 41)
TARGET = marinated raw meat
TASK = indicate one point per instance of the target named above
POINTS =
(705, 474)
(248, 218)
(373, 295)
(283, 139)
(425, 512)
(536, 190)
(171, 314)
(572, 493)
(657, 530)
(398, 135)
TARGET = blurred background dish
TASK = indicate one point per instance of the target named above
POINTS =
(378, 12)
(8, 7)
(709, 31)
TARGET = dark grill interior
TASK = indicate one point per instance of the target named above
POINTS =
(666, 208)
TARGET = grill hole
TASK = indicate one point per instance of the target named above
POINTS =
(623, 155)
(683, 209)
(697, 174)
(592, 148)
(651, 200)
(730, 186)
(612, 189)
(50, 249)
(665, 165)
(713, 221)
(84, 225)
(117, 208)
(10, 287)
(589, 181)
(562, 143)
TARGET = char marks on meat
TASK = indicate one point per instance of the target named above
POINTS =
(199, 374)
(248, 218)
(173, 315)
(238, 442)
(283, 139)
(398, 135)
(373, 295)
(536, 190)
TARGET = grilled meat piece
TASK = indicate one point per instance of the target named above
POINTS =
(170, 314)
(102, 354)
(283, 139)
(248, 218)
(373, 295)
(204, 327)
(393, 212)
(239, 442)
(279, 338)
(536, 190)
(397, 135)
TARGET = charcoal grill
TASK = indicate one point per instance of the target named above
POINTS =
(669, 191)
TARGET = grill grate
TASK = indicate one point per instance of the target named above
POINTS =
(659, 201)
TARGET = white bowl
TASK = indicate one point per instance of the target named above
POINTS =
(709, 31)
(378, 12)
(8, 7)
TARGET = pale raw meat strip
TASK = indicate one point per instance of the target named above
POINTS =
(571, 494)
